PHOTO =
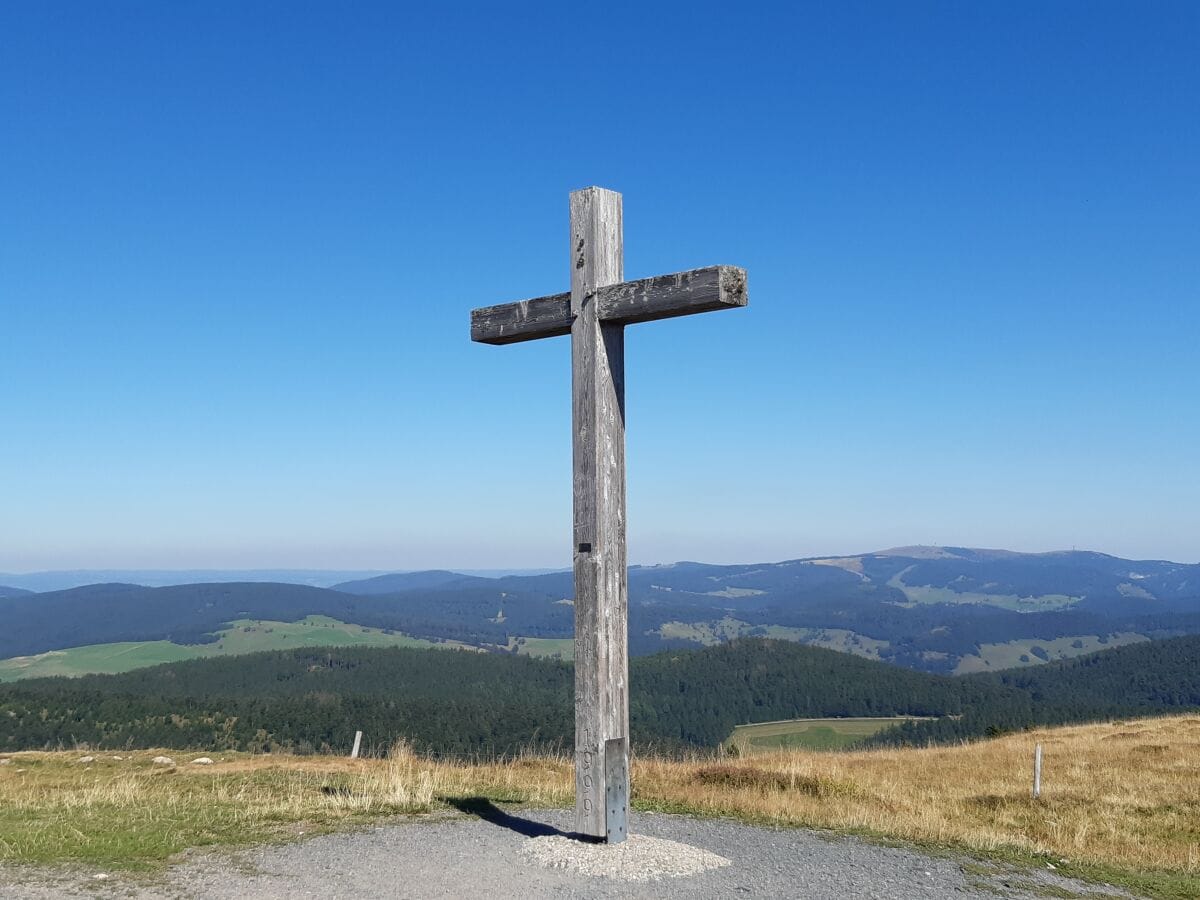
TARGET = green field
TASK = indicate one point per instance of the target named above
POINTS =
(1014, 654)
(557, 648)
(728, 628)
(242, 636)
(808, 734)
(920, 594)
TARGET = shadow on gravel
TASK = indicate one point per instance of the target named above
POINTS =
(490, 812)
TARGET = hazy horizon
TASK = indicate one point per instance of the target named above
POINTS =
(493, 571)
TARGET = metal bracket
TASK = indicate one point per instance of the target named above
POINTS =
(616, 789)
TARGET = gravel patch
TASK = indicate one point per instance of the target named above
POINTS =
(638, 858)
(499, 854)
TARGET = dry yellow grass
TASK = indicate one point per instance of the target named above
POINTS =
(1118, 800)
(1122, 794)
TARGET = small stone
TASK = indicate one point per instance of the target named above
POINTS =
(202, 761)
(1051, 866)
(87, 759)
(101, 876)
(118, 757)
(163, 761)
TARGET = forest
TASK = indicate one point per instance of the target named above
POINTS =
(449, 703)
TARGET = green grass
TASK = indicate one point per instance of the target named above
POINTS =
(241, 636)
(808, 734)
(706, 633)
(557, 648)
(123, 812)
(728, 628)
(1009, 654)
(921, 594)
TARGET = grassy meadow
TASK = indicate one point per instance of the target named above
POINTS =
(1120, 803)
(555, 648)
(708, 634)
(927, 594)
(1014, 654)
(242, 636)
(807, 734)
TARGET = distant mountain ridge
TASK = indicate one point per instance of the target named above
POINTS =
(938, 609)
(65, 579)
(404, 581)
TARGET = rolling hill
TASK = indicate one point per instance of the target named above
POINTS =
(240, 637)
(935, 609)
(65, 579)
(457, 703)
(1122, 682)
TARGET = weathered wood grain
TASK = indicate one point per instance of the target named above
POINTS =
(525, 320)
(681, 294)
(595, 314)
(601, 587)
(627, 302)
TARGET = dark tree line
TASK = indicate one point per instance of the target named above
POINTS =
(1134, 680)
(465, 703)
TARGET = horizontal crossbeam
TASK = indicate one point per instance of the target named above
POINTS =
(661, 297)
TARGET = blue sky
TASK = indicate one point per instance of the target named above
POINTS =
(239, 243)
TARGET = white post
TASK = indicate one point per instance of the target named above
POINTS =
(1037, 772)
(357, 743)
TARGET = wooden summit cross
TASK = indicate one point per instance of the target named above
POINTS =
(595, 313)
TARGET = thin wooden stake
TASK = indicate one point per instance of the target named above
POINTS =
(357, 744)
(1037, 772)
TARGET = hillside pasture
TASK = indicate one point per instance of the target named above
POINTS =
(241, 636)
(709, 634)
(1025, 652)
(554, 648)
(923, 594)
(808, 734)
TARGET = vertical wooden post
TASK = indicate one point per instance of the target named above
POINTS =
(357, 744)
(601, 586)
(1037, 771)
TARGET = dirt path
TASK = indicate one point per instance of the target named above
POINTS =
(491, 854)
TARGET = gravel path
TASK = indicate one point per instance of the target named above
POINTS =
(522, 854)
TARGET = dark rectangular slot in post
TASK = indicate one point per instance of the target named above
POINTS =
(585, 548)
